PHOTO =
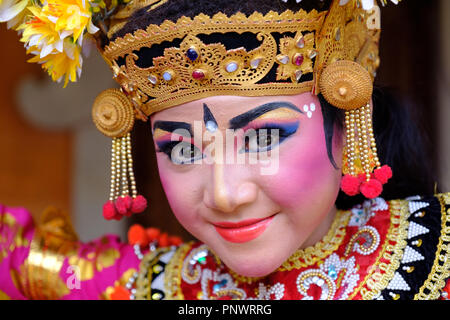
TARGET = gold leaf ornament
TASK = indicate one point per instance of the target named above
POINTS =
(346, 85)
(113, 113)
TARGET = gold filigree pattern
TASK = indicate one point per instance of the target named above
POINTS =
(295, 58)
(174, 78)
(349, 33)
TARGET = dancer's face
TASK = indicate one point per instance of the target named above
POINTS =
(252, 195)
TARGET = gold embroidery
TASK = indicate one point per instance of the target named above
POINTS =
(332, 240)
(54, 239)
(11, 227)
(172, 280)
(98, 261)
(311, 255)
(441, 267)
(4, 296)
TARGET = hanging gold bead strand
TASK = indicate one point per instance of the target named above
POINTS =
(114, 115)
(362, 170)
(130, 167)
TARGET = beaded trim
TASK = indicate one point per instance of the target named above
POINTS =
(172, 279)
(391, 253)
(329, 244)
(441, 268)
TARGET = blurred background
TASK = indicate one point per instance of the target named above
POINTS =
(51, 153)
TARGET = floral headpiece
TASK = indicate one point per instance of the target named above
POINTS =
(332, 52)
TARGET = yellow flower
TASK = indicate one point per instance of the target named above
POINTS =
(11, 11)
(72, 16)
(61, 65)
(41, 34)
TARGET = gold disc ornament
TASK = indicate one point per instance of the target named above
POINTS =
(346, 85)
(113, 113)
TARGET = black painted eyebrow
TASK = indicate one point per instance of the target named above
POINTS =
(242, 120)
(171, 126)
(208, 116)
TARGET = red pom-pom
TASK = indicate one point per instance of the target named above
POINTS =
(175, 241)
(139, 204)
(163, 240)
(128, 203)
(121, 205)
(153, 234)
(120, 293)
(371, 189)
(109, 211)
(350, 185)
(137, 235)
(383, 174)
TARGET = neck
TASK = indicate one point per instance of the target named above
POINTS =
(323, 228)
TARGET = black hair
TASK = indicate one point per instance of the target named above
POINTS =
(401, 142)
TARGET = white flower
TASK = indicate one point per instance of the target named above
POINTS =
(10, 9)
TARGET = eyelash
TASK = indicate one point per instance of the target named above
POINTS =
(284, 132)
(168, 148)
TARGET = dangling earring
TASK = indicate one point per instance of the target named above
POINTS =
(113, 115)
(347, 85)
(362, 169)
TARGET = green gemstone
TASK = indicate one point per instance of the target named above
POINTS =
(202, 260)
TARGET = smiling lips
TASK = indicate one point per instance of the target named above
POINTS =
(243, 231)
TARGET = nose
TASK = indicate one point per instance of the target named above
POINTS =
(229, 190)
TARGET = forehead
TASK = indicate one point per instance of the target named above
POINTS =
(226, 107)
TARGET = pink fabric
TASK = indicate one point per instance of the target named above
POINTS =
(12, 257)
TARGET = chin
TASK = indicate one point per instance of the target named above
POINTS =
(253, 264)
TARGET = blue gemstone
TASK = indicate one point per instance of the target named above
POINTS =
(192, 54)
(332, 272)
(219, 285)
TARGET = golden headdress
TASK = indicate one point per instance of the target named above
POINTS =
(328, 47)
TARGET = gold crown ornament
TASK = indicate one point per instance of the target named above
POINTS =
(333, 52)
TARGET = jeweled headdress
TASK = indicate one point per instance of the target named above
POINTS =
(324, 47)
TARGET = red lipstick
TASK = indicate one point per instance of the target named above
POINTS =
(242, 231)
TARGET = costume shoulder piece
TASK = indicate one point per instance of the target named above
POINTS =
(395, 250)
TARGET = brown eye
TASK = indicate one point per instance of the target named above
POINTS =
(181, 152)
(261, 140)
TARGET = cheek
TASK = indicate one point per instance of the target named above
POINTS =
(305, 173)
(182, 189)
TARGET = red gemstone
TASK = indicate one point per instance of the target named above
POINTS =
(198, 74)
(298, 59)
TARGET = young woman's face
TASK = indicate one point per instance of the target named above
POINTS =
(249, 176)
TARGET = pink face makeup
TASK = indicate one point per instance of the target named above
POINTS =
(255, 222)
